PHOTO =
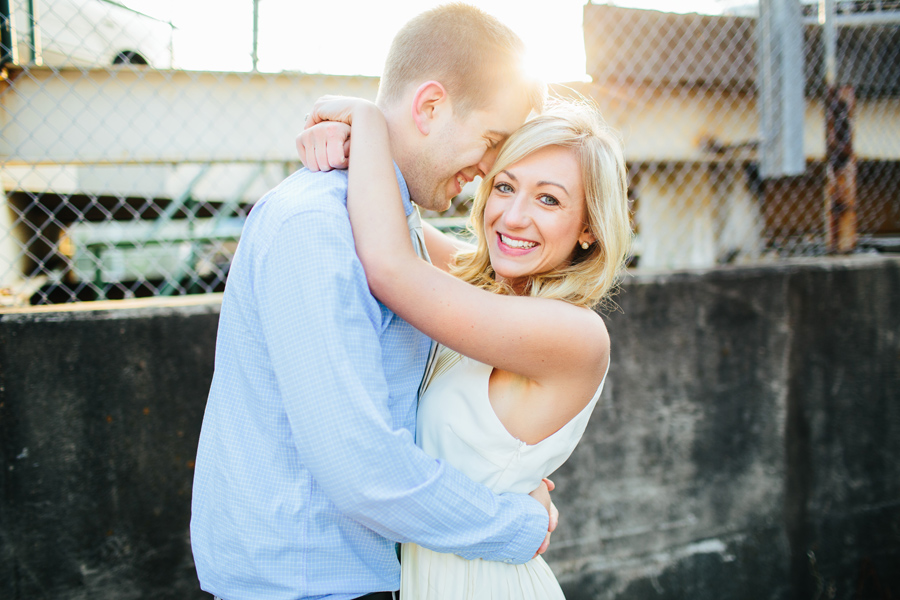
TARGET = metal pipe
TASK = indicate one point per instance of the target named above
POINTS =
(13, 161)
(827, 15)
(255, 55)
(34, 34)
(859, 19)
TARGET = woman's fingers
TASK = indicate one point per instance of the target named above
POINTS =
(306, 149)
(321, 148)
(324, 146)
(324, 143)
(337, 145)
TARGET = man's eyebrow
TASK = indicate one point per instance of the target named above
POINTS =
(499, 134)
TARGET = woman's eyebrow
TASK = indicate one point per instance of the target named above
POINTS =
(539, 183)
(553, 183)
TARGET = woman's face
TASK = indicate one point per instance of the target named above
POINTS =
(535, 215)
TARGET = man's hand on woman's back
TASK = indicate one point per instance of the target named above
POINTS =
(542, 495)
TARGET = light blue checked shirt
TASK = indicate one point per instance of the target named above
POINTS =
(307, 472)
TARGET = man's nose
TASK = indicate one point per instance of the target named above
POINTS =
(487, 161)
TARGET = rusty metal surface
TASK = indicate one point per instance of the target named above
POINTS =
(841, 171)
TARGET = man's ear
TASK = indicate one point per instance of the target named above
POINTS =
(430, 99)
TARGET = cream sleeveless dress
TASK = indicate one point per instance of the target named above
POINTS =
(457, 423)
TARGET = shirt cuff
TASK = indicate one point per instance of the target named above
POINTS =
(532, 533)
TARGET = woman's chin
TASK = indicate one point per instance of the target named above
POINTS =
(516, 281)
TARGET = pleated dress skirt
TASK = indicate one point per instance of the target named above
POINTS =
(428, 575)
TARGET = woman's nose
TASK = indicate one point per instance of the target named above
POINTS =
(516, 214)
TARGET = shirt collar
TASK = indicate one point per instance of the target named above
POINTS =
(404, 191)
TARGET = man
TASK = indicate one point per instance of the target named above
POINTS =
(307, 472)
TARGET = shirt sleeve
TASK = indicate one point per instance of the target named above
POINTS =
(321, 327)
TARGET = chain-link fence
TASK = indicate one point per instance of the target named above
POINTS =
(690, 90)
(123, 177)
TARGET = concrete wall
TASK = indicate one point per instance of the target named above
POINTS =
(100, 411)
(753, 417)
(746, 445)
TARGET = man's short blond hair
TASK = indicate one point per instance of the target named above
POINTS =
(468, 51)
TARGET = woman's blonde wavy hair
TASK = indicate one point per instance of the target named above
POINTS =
(592, 276)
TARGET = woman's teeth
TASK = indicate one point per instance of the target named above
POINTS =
(516, 243)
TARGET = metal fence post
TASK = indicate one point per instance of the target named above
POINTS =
(840, 173)
(780, 88)
(6, 37)
(255, 53)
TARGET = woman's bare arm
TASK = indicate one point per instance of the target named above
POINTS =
(543, 340)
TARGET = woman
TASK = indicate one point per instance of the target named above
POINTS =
(523, 357)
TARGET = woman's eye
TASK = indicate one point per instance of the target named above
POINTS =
(503, 187)
(550, 200)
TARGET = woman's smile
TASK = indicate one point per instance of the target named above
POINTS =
(515, 245)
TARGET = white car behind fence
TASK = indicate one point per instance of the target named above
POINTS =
(88, 33)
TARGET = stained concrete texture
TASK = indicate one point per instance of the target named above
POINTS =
(747, 442)
(100, 413)
(745, 447)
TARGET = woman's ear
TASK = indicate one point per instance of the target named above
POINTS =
(429, 100)
(586, 236)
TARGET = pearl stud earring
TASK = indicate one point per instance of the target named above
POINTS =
(585, 245)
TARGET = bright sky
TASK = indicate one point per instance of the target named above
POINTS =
(351, 37)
